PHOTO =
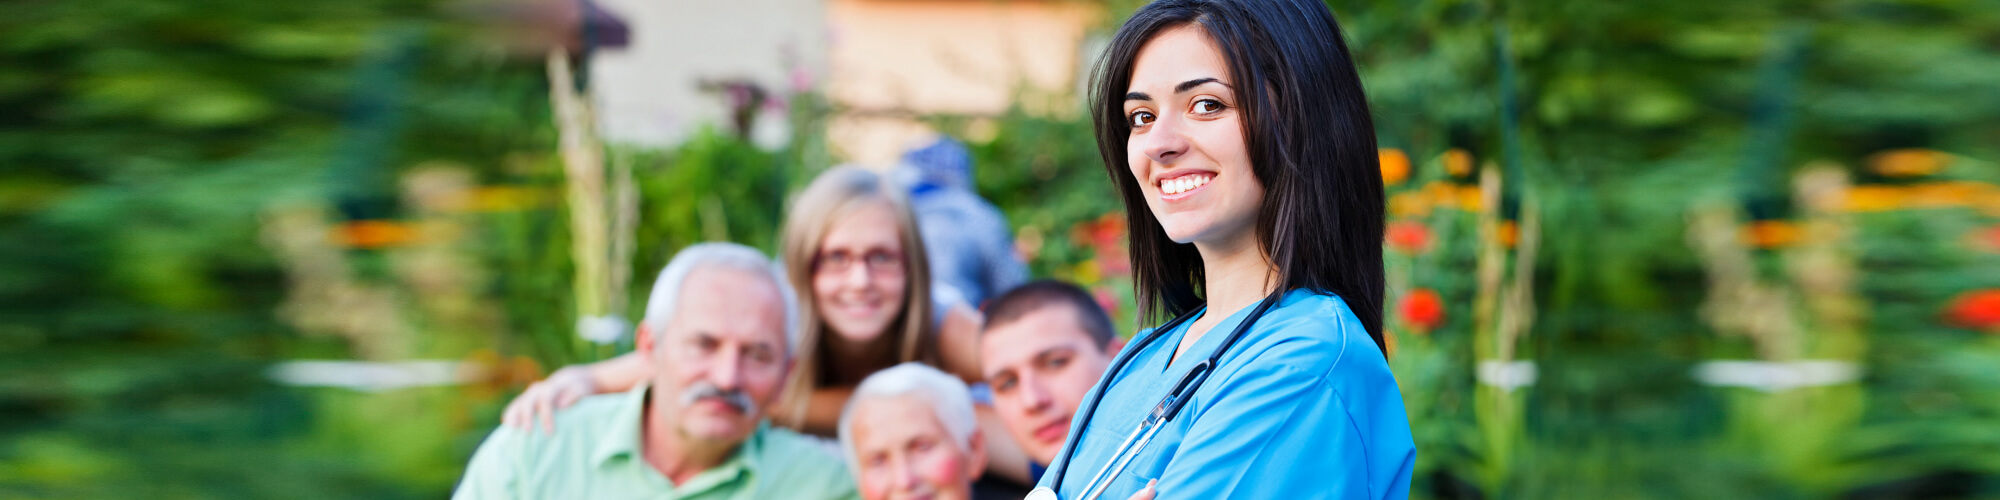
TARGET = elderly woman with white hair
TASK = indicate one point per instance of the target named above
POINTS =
(910, 432)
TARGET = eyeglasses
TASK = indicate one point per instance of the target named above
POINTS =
(878, 261)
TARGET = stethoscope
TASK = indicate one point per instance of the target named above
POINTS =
(1163, 413)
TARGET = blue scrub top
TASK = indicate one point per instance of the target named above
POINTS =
(1304, 406)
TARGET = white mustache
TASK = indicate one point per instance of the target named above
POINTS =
(704, 389)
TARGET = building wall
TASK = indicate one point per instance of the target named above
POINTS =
(650, 92)
(894, 59)
(882, 63)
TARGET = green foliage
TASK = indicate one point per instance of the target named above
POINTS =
(1631, 115)
(712, 188)
(142, 145)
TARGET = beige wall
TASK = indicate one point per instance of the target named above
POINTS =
(883, 62)
(648, 93)
(892, 59)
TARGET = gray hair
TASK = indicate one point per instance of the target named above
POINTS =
(949, 399)
(667, 290)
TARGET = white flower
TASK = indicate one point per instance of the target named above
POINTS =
(606, 329)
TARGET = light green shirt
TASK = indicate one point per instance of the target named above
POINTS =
(595, 454)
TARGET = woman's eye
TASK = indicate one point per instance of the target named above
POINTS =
(879, 258)
(1141, 118)
(1206, 106)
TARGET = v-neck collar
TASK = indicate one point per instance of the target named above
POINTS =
(1205, 345)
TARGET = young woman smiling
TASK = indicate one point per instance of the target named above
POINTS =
(1239, 139)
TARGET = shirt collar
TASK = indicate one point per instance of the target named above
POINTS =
(623, 439)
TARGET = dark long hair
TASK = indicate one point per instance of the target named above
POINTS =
(1311, 143)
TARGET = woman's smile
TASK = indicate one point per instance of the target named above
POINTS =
(860, 305)
(1182, 184)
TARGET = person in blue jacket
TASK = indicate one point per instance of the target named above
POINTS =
(1241, 144)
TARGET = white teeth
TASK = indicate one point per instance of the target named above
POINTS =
(1183, 184)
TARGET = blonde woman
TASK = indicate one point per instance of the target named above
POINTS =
(851, 246)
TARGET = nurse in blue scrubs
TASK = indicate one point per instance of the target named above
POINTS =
(1241, 144)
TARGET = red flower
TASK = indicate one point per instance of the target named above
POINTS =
(1977, 310)
(1106, 236)
(1423, 309)
(1408, 237)
(1107, 299)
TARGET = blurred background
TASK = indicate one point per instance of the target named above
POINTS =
(1640, 249)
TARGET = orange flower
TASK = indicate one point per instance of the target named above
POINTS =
(1978, 309)
(1441, 194)
(1408, 237)
(373, 234)
(1771, 233)
(1422, 308)
(1908, 162)
(1510, 233)
(1874, 198)
(1407, 204)
(1988, 238)
(1458, 162)
(1471, 199)
(1395, 166)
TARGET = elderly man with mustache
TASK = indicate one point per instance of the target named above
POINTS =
(720, 330)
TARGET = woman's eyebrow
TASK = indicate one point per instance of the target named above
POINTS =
(1190, 84)
(1183, 87)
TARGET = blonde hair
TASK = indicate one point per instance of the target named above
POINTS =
(835, 194)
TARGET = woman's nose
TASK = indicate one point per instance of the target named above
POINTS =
(1163, 142)
(859, 275)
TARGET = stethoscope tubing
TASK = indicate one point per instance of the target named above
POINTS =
(1168, 408)
(1092, 492)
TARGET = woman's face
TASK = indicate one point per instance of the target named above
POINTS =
(859, 276)
(1186, 147)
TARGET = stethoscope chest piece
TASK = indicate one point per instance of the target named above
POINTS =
(1043, 493)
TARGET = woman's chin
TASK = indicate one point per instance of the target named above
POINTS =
(1182, 233)
(858, 331)
(1183, 227)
